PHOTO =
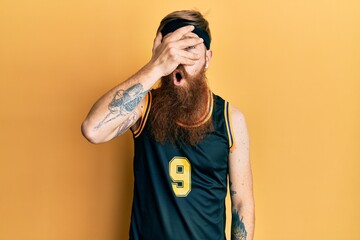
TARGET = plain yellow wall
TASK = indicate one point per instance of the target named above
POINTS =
(291, 66)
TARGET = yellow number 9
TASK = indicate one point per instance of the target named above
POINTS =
(180, 173)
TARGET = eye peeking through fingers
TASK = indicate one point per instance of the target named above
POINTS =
(190, 47)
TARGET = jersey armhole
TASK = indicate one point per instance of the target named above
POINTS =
(229, 126)
(144, 116)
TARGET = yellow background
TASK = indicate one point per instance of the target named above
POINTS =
(291, 66)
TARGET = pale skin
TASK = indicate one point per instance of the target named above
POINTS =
(121, 108)
(240, 178)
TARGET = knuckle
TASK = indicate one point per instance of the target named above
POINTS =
(167, 37)
(172, 50)
(165, 41)
(175, 57)
(171, 45)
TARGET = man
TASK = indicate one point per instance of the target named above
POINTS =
(188, 140)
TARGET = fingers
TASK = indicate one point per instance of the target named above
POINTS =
(171, 50)
(189, 55)
(190, 35)
(184, 57)
(186, 61)
(178, 52)
(182, 38)
(180, 32)
(189, 42)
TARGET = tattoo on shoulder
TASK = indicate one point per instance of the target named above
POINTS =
(238, 231)
(123, 102)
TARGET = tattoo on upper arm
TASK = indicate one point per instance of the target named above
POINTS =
(232, 192)
(123, 102)
(238, 231)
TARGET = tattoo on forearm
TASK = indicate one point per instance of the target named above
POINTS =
(232, 192)
(123, 102)
(127, 124)
(238, 231)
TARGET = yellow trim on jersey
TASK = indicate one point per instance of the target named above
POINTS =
(205, 118)
(232, 132)
(144, 116)
(229, 126)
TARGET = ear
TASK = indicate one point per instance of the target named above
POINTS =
(208, 57)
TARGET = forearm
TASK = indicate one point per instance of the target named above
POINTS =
(115, 111)
(242, 225)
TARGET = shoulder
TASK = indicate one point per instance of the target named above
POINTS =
(237, 116)
(236, 126)
(240, 130)
(235, 112)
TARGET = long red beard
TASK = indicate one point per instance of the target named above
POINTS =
(185, 104)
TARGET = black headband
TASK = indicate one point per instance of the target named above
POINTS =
(178, 23)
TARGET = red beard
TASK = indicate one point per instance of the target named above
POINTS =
(186, 104)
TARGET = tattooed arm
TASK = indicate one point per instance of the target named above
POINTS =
(240, 177)
(120, 108)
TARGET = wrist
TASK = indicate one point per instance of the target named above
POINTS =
(153, 71)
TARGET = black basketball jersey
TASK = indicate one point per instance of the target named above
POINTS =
(180, 190)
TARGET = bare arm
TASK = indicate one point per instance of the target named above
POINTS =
(240, 177)
(121, 107)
